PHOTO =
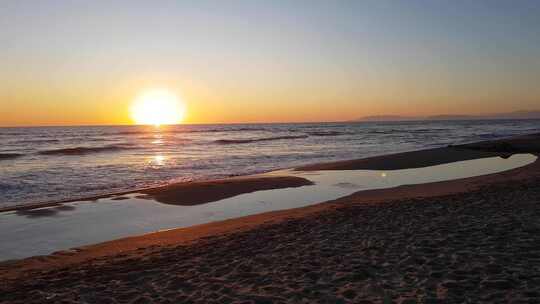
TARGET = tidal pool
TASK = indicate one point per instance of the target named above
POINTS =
(45, 230)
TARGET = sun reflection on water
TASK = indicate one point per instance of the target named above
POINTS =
(157, 160)
(158, 137)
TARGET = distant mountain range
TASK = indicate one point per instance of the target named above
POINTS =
(510, 115)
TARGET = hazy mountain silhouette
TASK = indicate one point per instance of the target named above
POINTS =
(509, 115)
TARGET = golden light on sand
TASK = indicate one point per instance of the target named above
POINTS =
(157, 107)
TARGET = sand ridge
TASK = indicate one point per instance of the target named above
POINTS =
(430, 157)
(195, 193)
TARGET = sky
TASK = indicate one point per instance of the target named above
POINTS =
(84, 62)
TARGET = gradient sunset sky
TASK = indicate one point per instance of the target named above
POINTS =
(84, 62)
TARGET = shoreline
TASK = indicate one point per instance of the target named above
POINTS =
(503, 147)
(133, 246)
(402, 160)
(273, 182)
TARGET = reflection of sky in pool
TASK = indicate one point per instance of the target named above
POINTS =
(45, 230)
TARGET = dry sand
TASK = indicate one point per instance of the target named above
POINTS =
(473, 240)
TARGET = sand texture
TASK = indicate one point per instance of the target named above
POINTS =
(481, 246)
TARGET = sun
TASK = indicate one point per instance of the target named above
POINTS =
(157, 107)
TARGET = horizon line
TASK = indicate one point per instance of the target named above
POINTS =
(359, 120)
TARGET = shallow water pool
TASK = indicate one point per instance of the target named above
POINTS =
(45, 230)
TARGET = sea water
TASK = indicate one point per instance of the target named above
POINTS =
(47, 164)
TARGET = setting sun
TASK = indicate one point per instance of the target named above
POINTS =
(157, 107)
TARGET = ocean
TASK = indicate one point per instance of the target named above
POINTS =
(47, 164)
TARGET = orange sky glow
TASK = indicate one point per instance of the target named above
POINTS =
(245, 62)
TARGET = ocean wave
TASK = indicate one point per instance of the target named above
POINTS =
(130, 133)
(227, 130)
(187, 131)
(251, 140)
(410, 131)
(329, 133)
(4, 156)
(85, 150)
(37, 141)
(433, 130)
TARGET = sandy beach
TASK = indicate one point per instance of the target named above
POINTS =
(258, 152)
(469, 240)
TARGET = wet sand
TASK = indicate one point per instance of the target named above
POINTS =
(195, 193)
(430, 157)
(473, 239)
(406, 160)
